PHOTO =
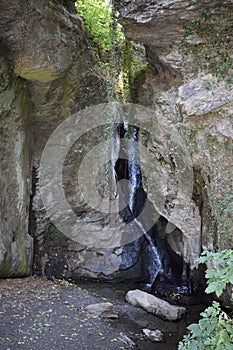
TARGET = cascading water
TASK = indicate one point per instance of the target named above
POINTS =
(134, 183)
(136, 194)
(134, 171)
(157, 264)
(162, 263)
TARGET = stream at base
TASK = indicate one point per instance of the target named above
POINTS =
(134, 319)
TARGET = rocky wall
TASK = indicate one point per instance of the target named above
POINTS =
(16, 245)
(48, 74)
(201, 112)
(51, 61)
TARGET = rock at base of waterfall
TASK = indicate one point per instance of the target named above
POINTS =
(155, 336)
(154, 305)
(102, 309)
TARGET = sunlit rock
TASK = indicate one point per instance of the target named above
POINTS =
(154, 305)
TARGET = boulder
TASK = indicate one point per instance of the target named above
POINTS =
(102, 309)
(154, 305)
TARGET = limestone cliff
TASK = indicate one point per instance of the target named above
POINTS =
(47, 74)
(202, 113)
(16, 246)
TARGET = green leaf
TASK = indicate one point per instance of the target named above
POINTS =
(211, 288)
(214, 331)
(210, 273)
(219, 291)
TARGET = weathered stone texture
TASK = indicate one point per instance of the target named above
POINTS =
(42, 38)
(44, 43)
(47, 74)
(15, 243)
(202, 113)
(154, 305)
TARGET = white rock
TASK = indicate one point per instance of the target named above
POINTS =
(154, 305)
(155, 336)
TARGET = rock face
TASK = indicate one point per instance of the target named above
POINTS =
(48, 74)
(34, 54)
(45, 76)
(15, 243)
(202, 112)
(154, 305)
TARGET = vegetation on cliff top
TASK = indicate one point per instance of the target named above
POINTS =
(119, 59)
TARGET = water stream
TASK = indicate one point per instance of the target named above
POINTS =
(157, 264)
(134, 179)
(136, 194)
(161, 262)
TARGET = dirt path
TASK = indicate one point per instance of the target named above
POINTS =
(38, 314)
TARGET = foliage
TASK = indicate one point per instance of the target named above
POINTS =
(134, 67)
(214, 331)
(97, 15)
(137, 80)
(221, 271)
(118, 58)
(208, 40)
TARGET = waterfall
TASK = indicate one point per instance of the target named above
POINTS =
(162, 263)
(134, 171)
(157, 264)
(115, 146)
(135, 183)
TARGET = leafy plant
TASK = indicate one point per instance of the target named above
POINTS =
(214, 331)
(221, 271)
(118, 59)
(97, 15)
(106, 36)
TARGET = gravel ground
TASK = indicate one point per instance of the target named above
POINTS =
(40, 314)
